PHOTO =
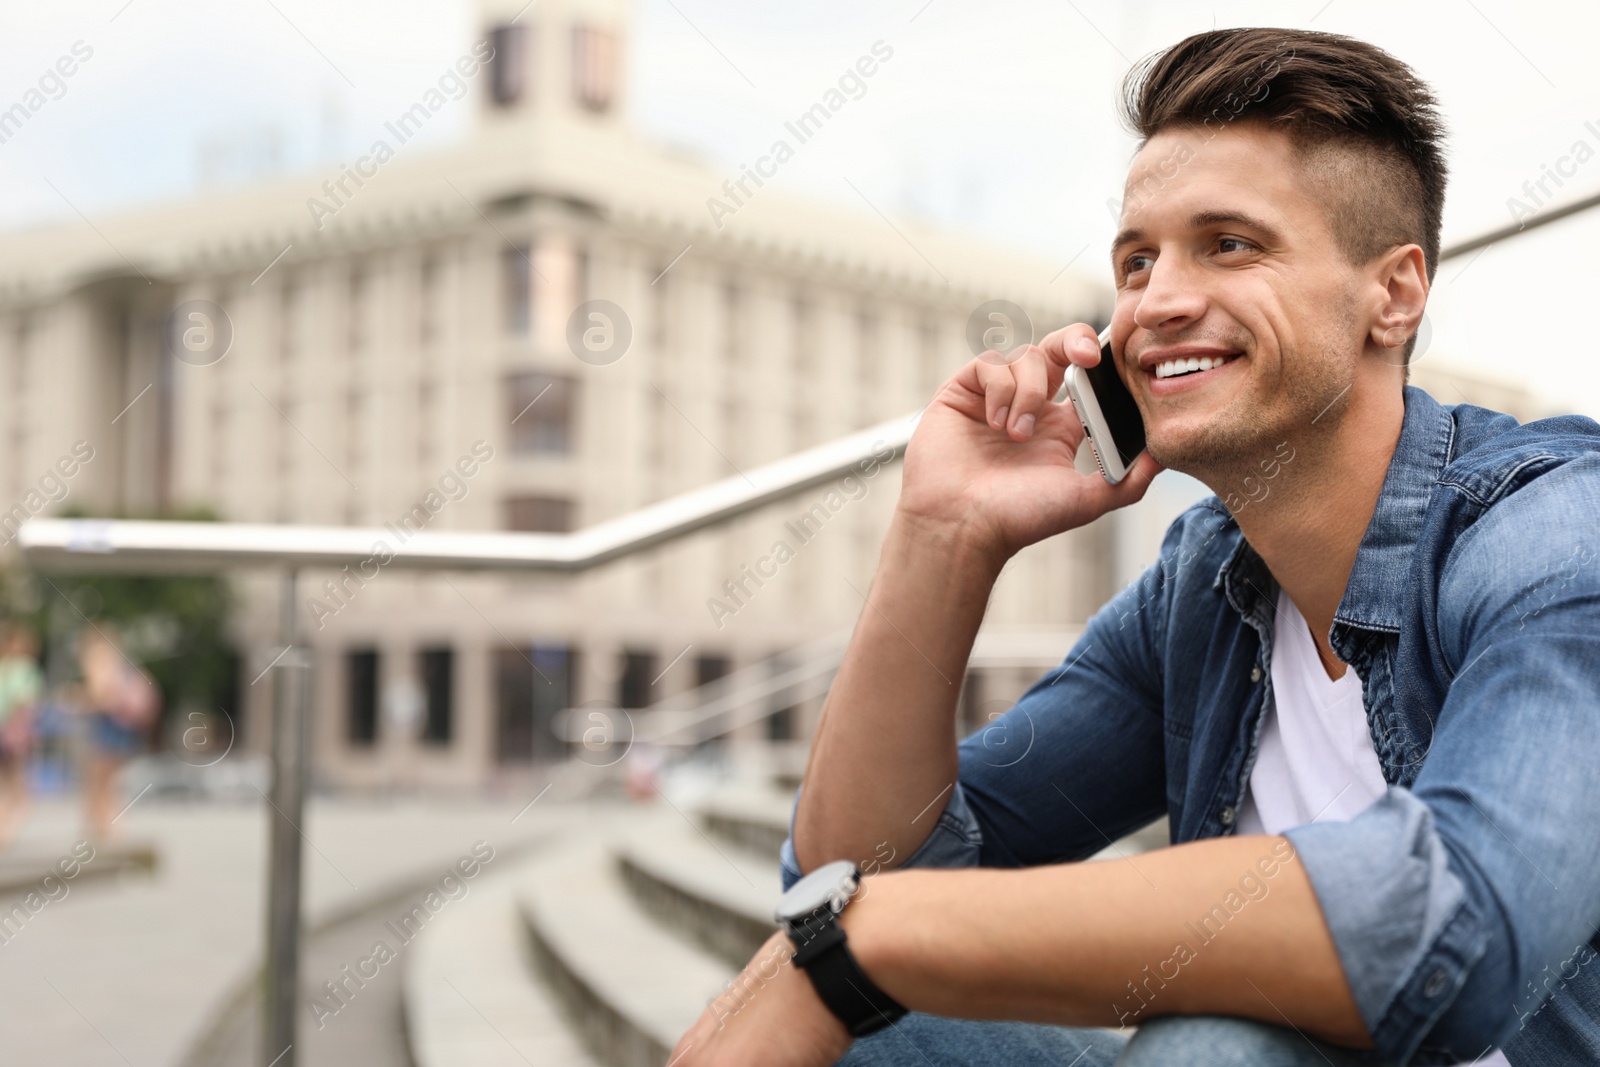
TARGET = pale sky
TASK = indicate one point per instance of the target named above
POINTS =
(996, 117)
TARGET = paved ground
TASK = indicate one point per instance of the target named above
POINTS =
(131, 971)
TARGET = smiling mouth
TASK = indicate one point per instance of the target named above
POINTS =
(1177, 368)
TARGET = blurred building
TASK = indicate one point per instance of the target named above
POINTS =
(387, 344)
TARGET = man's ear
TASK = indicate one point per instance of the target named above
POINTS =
(1402, 274)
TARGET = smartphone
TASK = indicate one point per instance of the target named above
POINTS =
(1108, 412)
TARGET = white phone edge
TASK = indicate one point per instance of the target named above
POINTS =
(1087, 406)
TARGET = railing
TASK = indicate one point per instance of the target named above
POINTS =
(103, 544)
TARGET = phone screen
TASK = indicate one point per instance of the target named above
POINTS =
(1118, 406)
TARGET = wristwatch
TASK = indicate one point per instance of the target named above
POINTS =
(809, 913)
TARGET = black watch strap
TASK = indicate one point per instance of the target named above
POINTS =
(843, 986)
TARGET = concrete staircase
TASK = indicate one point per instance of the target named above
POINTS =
(602, 951)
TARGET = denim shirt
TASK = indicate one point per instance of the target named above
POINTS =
(1465, 902)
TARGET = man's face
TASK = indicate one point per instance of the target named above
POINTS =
(1225, 255)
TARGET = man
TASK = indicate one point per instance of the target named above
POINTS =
(1361, 680)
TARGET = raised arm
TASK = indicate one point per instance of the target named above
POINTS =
(988, 472)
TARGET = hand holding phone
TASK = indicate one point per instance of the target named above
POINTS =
(1105, 407)
(992, 457)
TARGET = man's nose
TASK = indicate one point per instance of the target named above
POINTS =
(1171, 298)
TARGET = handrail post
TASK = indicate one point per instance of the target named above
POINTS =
(290, 771)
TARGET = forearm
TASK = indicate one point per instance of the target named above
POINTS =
(884, 755)
(1195, 929)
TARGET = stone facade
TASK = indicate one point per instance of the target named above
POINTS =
(403, 317)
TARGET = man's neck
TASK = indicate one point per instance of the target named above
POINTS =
(1308, 527)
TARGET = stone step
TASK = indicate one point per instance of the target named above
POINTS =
(751, 817)
(720, 895)
(627, 985)
(25, 871)
(470, 995)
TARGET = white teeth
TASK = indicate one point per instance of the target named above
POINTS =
(1185, 366)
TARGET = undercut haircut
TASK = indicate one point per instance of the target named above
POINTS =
(1365, 129)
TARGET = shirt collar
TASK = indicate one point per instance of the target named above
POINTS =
(1372, 598)
(1383, 559)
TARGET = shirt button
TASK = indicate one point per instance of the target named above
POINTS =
(1436, 983)
(1255, 673)
(1226, 817)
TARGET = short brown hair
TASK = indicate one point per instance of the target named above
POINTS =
(1367, 125)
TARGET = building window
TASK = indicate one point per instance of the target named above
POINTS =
(660, 309)
(801, 339)
(428, 302)
(657, 455)
(538, 514)
(288, 315)
(733, 426)
(638, 674)
(594, 68)
(780, 724)
(361, 696)
(227, 697)
(427, 419)
(869, 369)
(286, 442)
(867, 356)
(800, 336)
(219, 445)
(359, 286)
(24, 340)
(437, 667)
(531, 687)
(540, 409)
(354, 420)
(730, 323)
(516, 267)
(782, 715)
(709, 668)
(508, 70)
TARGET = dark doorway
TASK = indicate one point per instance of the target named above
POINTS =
(531, 686)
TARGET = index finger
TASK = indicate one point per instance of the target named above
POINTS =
(1075, 344)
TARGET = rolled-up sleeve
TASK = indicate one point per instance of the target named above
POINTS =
(953, 842)
(1078, 760)
(1448, 900)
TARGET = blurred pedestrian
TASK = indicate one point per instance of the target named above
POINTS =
(21, 683)
(121, 703)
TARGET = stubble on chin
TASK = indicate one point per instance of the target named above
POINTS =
(1308, 402)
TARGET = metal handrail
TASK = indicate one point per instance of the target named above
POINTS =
(124, 545)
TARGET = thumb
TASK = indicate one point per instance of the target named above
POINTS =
(1134, 484)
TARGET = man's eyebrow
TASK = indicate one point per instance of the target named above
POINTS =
(1202, 220)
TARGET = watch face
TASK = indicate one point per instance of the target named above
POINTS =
(831, 886)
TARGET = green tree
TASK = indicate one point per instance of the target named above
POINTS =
(174, 626)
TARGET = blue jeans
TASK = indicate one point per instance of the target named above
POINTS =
(921, 1040)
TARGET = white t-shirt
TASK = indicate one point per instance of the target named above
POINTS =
(1315, 760)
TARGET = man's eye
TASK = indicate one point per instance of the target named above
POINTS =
(1136, 263)
(1233, 244)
